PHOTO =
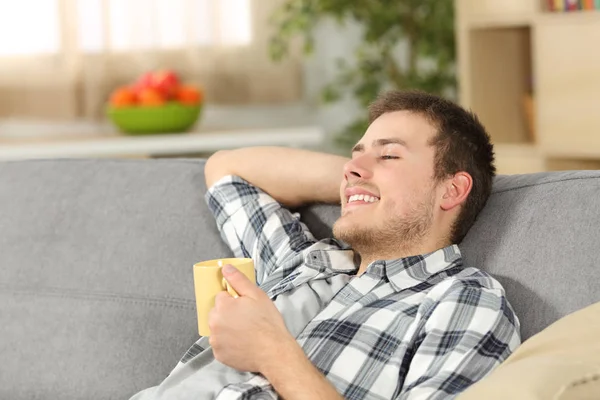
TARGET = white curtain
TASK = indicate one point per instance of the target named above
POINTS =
(61, 58)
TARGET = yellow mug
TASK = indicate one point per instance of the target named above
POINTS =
(208, 281)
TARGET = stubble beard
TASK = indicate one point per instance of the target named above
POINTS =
(395, 235)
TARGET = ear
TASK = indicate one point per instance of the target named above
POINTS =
(456, 190)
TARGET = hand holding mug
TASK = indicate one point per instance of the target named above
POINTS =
(209, 281)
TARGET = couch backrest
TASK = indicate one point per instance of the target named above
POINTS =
(539, 235)
(96, 291)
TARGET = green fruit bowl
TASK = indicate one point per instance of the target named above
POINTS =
(173, 117)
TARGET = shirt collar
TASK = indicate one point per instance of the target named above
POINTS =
(407, 272)
(333, 255)
(402, 273)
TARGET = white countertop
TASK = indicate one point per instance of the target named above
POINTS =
(115, 145)
(220, 127)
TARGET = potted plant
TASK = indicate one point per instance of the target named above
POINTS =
(425, 26)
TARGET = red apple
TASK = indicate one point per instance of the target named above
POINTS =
(165, 82)
(145, 81)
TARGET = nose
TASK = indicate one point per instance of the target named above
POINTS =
(358, 168)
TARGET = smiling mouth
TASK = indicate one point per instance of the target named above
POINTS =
(361, 199)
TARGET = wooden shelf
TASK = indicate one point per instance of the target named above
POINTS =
(495, 75)
(518, 159)
(572, 17)
(507, 49)
(498, 21)
(508, 20)
(480, 8)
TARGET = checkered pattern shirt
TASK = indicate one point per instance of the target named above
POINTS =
(420, 327)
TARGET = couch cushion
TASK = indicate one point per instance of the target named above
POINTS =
(538, 235)
(562, 362)
(96, 289)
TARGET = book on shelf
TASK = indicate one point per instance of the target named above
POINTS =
(557, 5)
(587, 4)
(572, 5)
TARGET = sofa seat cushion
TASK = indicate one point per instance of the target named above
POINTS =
(562, 363)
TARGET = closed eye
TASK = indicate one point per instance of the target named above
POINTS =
(387, 157)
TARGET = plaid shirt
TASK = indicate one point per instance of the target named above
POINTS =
(420, 327)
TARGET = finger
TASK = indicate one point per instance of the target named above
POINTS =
(213, 342)
(240, 283)
(211, 317)
(221, 298)
(215, 318)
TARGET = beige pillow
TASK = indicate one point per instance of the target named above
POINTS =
(560, 363)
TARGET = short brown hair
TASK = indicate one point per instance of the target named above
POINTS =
(461, 144)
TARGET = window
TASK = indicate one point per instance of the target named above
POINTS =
(23, 32)
(80, 50)
(120, 26)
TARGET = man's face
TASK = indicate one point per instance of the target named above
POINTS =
(388, 190)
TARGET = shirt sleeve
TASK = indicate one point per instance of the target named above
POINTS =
(470, 330)
(254, 225)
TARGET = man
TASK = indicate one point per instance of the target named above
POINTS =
(386, 310)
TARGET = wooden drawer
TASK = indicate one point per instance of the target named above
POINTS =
(567, 85)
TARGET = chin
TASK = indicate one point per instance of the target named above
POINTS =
(343, 219)
(339, 227)
(345, 228)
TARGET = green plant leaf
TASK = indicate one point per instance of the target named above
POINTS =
(426, 25)
(330, 93)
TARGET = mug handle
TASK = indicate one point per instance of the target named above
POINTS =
(227, 286)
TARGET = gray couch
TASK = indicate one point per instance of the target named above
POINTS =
(96, 291)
